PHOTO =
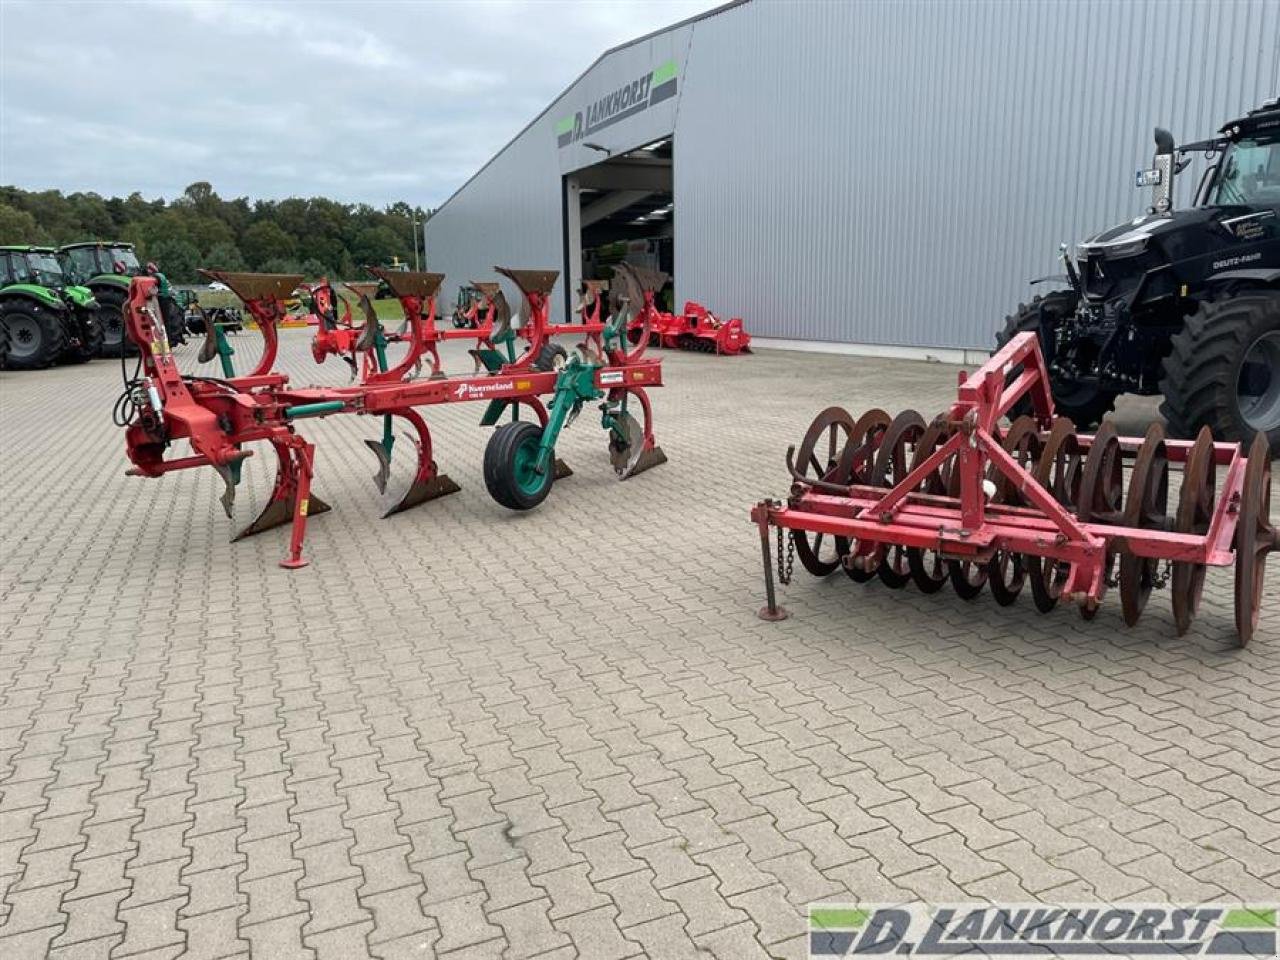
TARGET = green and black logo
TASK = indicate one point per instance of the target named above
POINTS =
(635, 97)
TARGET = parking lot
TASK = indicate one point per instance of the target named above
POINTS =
(463, 732)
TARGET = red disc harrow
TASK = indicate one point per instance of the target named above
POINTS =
(977, 501)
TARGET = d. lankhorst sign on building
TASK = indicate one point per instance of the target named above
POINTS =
(635, 97)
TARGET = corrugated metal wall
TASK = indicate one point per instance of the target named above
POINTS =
(894, 172)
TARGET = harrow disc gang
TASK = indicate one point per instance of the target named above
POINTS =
(973, 501)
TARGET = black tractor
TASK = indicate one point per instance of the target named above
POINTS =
(1184, 303)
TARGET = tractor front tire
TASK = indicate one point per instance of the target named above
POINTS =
(1223, 371)
(1085, 404)
(509, 461)
(36, 335)
(115, 338)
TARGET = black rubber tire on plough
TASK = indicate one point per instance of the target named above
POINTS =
(506, 473)
(1083, 404)
(1202, 372)
(37, 337)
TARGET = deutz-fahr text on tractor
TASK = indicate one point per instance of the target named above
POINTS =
(45, 318)
(106, 269)
(1183, 303)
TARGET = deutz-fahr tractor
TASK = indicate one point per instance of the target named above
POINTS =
(1184, 303)
(45, 318)
(106, 269)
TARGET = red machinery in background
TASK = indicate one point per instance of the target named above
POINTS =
(219, 417)
(697, 328)
(967, 500)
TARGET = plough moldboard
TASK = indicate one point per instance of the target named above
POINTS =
(516, 366)
(970, 500)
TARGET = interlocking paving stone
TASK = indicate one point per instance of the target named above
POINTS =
(464, 732)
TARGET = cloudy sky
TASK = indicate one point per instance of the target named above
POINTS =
(373, 101)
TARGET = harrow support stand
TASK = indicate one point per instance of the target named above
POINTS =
(770, 612)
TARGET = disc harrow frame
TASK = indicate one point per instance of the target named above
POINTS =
(219, 417)
(1033, 502)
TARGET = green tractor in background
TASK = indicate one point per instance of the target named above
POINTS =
(45, 318)
(106, 269)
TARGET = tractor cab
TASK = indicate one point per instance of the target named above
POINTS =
(85, 261)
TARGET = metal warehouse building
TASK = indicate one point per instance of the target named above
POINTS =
(882, 174)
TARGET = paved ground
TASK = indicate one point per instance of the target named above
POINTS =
(467, 733)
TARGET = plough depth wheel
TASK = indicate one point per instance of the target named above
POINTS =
(511, 466)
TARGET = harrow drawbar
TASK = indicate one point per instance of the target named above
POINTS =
(516, 369)
(976, 501)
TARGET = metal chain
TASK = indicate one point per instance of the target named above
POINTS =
(784, 568)
(1161, 580)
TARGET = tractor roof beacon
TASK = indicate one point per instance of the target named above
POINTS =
(1184, 303)
(44, 318)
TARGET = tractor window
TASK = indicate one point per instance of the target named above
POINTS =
(123, 255)
(1250, 173)
(82, 263)
(42, 268)
(6, 270)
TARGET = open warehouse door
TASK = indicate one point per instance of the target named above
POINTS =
(622, 208)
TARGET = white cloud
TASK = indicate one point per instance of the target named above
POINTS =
(370, 102)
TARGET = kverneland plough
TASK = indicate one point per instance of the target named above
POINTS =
(970, 500)
(221, 416)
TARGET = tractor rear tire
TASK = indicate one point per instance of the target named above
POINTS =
(1226, 345)
(36, 335)
(89, 334)
(509, 457)
(1084, 404)
(115, 338)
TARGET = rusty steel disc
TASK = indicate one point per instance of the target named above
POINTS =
(892, 464)
(1007, 569)
(861, 560)
(1255, 538)
(818, 458)
(1195, 513)
(1058, 471)
(928, 569)
(1100, 497)
(1146, 508)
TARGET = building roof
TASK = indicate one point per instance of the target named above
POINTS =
(705, 15)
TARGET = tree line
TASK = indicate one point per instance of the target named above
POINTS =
(314, 237)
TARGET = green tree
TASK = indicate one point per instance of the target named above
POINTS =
(266, 241)
(177, 258)
(225, 256)
(18, 226)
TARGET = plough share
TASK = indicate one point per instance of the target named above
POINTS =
(516, 366)
(967, 500)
